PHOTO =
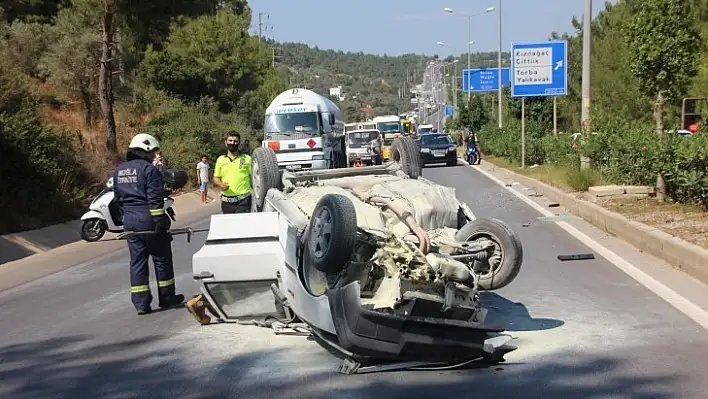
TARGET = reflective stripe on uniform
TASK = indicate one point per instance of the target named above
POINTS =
(157, 212)
(137, 289)
(166, 283)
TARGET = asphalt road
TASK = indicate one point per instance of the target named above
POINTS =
(584, 330)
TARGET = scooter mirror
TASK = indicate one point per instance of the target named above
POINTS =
(175, 178)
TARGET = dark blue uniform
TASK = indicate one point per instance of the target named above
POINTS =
(140, 191)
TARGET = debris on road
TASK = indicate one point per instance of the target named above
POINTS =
(557, 218)
(553, 205)
(576, 257)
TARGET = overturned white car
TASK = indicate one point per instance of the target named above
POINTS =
(378, 261)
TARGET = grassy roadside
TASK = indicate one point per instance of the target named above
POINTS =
(687, 222)
(565, 178)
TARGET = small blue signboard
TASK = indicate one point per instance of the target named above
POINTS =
(539, 69)
(449, 110)
(484, 79)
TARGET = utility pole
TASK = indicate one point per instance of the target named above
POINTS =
(499, 60)
(587, 32)
(469, 54)
(263, 26)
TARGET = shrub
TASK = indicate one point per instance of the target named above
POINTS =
(42, 178)
(687, 174)
(581, 179)
(188, 131)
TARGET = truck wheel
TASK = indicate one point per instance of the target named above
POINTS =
(508, 254)
(405, 153)
(332, 233)
(264, 175)
(93, 230)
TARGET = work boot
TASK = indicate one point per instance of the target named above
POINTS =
(197, 307)
(172, 301)
(145, 311)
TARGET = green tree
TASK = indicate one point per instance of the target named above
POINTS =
(473, 116)
(212, 55)
(663, 40)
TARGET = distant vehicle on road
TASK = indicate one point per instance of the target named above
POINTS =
(390, 128)
(425, 129)
(364, 147)
(438, 148)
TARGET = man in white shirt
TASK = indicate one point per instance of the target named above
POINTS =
(203, 177)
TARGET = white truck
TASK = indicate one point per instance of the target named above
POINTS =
(388, 124)
(306, 131)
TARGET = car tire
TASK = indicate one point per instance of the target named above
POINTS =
(509, 250)
(405, 152)
(264, 175)
(332, 233)
(452, 162)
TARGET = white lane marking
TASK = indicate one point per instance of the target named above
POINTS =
(690, 309)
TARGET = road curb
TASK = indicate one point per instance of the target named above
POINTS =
(22, 246)
(687, 257)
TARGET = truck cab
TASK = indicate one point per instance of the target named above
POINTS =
(306, 131)
(425, 129)
(390, 128)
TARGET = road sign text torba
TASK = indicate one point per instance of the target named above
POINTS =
(533, 66)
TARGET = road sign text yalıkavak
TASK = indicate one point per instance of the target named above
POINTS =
(539, 69)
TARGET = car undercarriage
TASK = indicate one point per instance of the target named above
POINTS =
(378, 262)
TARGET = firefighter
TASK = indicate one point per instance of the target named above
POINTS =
(140, 191)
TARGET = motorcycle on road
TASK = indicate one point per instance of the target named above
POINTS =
(471, 155)
(104, 212)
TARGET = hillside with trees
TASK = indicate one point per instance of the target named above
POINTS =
(384, 82)
(78, 78)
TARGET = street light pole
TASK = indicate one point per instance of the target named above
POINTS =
(469, 51)
(585, 109)
(499, 60)
(454, 86)
(469, 40)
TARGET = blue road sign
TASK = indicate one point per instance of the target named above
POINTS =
(449, 110)
(539, 69)
(484, 79)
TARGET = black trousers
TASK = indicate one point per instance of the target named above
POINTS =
(243, 206)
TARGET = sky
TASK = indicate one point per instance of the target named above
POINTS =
(397, 27)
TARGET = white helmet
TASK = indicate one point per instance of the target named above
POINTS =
(145, 142)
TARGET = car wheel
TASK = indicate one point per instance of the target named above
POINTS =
(508, 253)
(264, 175)
(93, 230)
(405, 153)
(332, 233)
(452, 162)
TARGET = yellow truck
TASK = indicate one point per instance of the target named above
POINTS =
(408, 127)
(390, 128)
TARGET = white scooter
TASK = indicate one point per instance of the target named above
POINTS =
(105, 215)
